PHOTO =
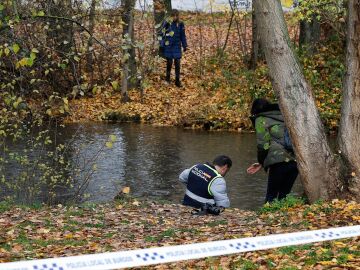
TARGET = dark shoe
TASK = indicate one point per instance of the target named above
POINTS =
(178, 84)
(167, 79)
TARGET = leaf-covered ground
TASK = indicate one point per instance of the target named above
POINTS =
(29, 233)
(203, 98)
(217, 88)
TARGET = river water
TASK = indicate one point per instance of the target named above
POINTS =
(149, 159)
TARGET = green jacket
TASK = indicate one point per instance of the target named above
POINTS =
(270, 128)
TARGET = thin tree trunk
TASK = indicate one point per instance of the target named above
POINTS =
(233, 6)
(349, 134)
(201, 52)
(128, 48)
(213, 22)
(318, 167)
(89, 49)
(255, 42)
(228, 31)
(63, 36)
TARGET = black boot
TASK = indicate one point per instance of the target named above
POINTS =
(168, 69)
(167, 79)
(178, 83)
(177, 72)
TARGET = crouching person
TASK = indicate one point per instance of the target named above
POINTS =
(206, 185)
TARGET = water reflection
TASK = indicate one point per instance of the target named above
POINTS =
(149, 160)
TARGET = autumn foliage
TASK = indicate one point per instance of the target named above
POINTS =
(64, 231)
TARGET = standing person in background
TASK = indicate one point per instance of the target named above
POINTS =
(173, 40)
(275, 153)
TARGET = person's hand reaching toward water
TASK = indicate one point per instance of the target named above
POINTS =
(254, 168)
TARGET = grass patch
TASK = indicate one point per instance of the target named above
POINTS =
(244, 264)
(165, 234)
(217, 223)
(5, 206)
(75, 213)
(282, 205)
(8, 205)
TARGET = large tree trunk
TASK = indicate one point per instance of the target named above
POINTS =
(161, 8)
(317, 164)
(128, 62)
(349, 134)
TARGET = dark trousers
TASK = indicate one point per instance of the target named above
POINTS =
(280, 180)
(191, 202)
(169, 62)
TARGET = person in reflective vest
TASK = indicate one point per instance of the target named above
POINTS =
(205, 183)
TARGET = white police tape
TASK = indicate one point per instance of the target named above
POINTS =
(149, 256)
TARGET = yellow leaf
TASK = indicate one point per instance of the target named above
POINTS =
(109, 144)
(23, 62)
(126, 190)
(16, 48)
(112, 138)
(115, 85)
(69, 236)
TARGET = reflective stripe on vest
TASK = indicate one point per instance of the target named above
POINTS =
(212, 180)
(198, 198)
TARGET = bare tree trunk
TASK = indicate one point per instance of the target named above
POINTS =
(255, 48)
(89, 49)
(213, 22)
(349, 134)
(317, 164)
(233, 6)
(228, 31)
(201, 51)
(128, 62)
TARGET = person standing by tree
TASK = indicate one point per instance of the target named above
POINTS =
(172, 42)
(275, 153)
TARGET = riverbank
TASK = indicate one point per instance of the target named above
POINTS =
(43, 232)
(213, 96)
(218, 86)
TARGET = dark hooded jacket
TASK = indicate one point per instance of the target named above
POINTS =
(173, 39)
(270, 128)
